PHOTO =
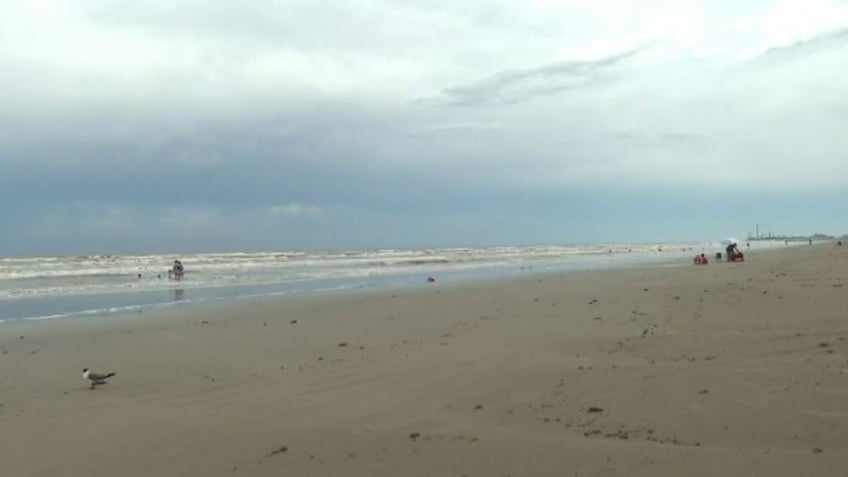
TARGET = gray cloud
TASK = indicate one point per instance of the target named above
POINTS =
(295, 121)
(522, 85)
(832, 40)
(676, 139)
(458, 128)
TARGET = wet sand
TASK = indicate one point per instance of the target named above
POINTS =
(724, 369)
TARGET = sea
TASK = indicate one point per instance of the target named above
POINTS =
(58, 287)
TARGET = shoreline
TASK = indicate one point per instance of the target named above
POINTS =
(183, 298)
(732, 369)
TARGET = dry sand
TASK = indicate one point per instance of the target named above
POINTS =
(727, 369)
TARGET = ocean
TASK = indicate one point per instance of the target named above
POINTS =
(37, 288)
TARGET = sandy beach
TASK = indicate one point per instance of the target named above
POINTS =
(724, 369)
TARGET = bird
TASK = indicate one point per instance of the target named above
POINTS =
(96, 378)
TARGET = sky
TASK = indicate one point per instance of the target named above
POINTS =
(212, 125)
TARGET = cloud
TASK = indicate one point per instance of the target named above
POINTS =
(459, 128)
(523, 85)
(192, 122)
(828, 41)
(670, 138)
(295, 210)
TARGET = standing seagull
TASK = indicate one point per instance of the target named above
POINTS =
(96, 378)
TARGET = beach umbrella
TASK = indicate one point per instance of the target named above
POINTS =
(730, 240)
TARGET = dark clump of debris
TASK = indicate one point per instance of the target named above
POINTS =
(278, 451)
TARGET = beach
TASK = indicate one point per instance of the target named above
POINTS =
(724, 369)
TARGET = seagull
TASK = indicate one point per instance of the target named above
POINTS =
(96, 378)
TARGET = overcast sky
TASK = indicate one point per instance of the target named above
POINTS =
(195, 125)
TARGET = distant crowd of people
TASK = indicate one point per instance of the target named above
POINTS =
(733, 255)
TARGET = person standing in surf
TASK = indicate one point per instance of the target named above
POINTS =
(178, 270)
